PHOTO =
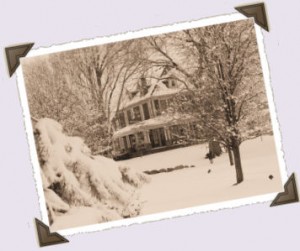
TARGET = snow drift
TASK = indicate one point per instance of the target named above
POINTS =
(80, 188)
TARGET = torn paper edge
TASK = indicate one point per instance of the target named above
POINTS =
(134, 35)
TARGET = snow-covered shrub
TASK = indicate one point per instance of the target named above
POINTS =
(133, 178)
(72, 177)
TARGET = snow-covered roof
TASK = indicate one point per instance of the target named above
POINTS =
(164, 120)
(157, 89)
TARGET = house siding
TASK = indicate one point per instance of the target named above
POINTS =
(157, 136)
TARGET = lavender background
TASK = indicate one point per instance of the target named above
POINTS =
(52, 22)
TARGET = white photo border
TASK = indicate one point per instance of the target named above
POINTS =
(134, 35)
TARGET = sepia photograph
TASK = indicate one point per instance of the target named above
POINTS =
(151, 124)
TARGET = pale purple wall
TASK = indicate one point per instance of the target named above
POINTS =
(256, 227)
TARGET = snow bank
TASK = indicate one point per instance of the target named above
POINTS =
(75, 182)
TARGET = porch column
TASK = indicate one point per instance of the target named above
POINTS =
(146, 136)
(119, 142)
(142, 112)
(151, 108)
(122, 143)
(128, 141)
(170, 135)
(167, 133)
(126, 118)
(136, 141)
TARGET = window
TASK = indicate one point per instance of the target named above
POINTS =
(154, 138)
(157, 108)
(130, 117)
(174, 131)
(143, 81)
(166, 82)
(121, 119)
(124, 144)
(157, 137)
(140, 138)
(132, 141)
(182, 132)
(162, 136)
(163, 105)
(137, 114)
(143, 86)
(117, 145)
(114, 124)
(146, 111)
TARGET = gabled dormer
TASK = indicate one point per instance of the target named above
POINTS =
(143, 86)
(168, 77)
(170, 82)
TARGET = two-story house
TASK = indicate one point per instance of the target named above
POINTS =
(143, 124)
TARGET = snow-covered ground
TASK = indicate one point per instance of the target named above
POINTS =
(81, 189)
(197, 186)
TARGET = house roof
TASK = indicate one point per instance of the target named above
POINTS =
(156, 122)
(157, 89)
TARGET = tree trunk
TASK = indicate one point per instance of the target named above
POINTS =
(230, 156)
(237, 163)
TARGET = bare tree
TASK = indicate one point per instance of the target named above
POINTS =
(79, 88)
(221, 69)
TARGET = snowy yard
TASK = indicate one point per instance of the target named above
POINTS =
(81, 189)
(196, 186)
